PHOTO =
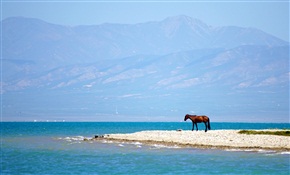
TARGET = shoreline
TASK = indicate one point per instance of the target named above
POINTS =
(213, 139)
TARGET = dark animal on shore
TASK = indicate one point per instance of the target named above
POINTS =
(198, 119)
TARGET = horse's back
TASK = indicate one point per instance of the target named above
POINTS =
(205, 118)
(199, 118)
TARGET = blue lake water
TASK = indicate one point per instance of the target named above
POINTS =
(58, 148)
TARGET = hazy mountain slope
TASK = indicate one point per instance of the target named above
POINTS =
(167, 68)
(36, 40)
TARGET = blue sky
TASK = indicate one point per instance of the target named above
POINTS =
(269, 16)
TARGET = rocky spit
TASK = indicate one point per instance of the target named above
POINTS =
(223, 139)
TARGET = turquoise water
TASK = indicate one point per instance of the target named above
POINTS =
(57, 148)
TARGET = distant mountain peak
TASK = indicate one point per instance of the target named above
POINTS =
(180, 25)
(183, 19)
(180, 18)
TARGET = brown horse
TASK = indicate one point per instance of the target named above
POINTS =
(198, 119)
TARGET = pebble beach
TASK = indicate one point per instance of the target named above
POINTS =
(223, 139)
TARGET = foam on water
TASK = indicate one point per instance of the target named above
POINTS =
(74, 139)
(137, 143)
(262, 151)
(266, 151)
(160, 146)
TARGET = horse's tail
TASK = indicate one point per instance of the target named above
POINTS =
(208, 124)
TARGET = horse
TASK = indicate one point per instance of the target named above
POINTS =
(198, 119)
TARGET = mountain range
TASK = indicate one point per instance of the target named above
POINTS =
(148, 71)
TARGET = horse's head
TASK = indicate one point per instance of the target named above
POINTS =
(186, 117)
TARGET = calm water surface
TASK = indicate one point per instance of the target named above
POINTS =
(58, 148)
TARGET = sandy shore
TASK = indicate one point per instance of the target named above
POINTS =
(223, 139)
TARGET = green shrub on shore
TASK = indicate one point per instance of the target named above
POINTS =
(280, 133)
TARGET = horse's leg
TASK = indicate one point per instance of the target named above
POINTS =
(192, 126)
(208, 124)
(205, 126)
(196, 127)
